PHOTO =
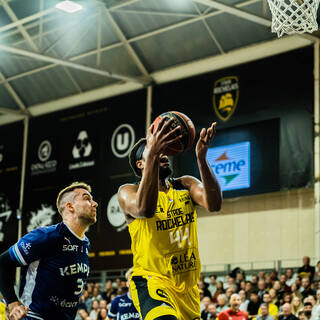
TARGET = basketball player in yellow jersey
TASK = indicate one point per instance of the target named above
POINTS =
(162, 222)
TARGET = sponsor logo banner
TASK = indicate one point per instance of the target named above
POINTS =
(231, 165)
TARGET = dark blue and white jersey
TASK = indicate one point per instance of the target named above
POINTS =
(122, 308)
(55, 266)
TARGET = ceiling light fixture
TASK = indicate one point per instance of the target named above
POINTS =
(69, 6)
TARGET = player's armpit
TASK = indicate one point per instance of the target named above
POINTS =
(127, 197)
(195, 188)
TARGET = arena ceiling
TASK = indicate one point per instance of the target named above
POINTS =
(51, 60)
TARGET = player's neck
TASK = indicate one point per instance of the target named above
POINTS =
(163, 185)
(78, 229)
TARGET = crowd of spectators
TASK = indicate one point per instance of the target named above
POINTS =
(264, 296)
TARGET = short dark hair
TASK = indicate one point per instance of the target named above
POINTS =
(136, 154)
(254, 292)
(307, 304)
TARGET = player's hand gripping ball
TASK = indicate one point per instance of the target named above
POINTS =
(187, 131)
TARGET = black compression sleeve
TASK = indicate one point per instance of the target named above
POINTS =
(7, 277)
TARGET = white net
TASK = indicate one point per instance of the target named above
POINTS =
(293, 16)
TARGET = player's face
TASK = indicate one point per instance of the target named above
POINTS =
(235, 302)
(85, 206)
(164, 168)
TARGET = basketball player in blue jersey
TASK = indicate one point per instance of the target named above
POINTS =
(54, 261)
(122, 307)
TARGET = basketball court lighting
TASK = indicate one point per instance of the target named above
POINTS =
(69, 6)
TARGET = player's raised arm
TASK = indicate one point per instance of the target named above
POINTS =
(140, 200)
(206, 193)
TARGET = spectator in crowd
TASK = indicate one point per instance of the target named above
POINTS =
(233, 313)
(274, 275)
(242, 285)
(96, 294)
(286, 299)
(286, 313)
(219, 291)
(212, 285)
(254, 304)
(82, 314)
(202, 286)
(301, 315)
(296, 291)
(268, 282)
(306, 288)
(104, 304)
(212, 312)
(274, 297)
(261, 288)
(239, 278)
(264, 313)
(103, 314)
(298, 281)
(230, 291)
(272, 308)
(296, 306)
(307, 309)
(279, 290)
(204, 304)
(306, 270)
(290, 276)
(222, 303)
(106, 294)
(202, 278)
(244, 301)
(116, 284)
(249, 288)
(283, 284)
(316, 277)
(254, 281)
(261, 275)
(318, 297)
(229, 281)
(95, 309)
(315, 307)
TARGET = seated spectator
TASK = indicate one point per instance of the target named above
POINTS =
(306, 288)
(239, 278)
(212, 312)
(274, 297)
(296, 291)
(201, 297)
(254, 281)
(261, 275)
(242, 286)
(268, 282)
(264, 313)
(296, 306)
(307, 309)
(233, 313)
(274, 276)
(202, 278)
(301, 315)
(290, 276)
(103, 314)
(306, 270)
(286, 313)
(284, 286)
(316, 277)
(106, 294)
(219, 290)
(204, 307)
(230, 291)
(279, 290)
(96, 294)
(254, 304)
(94, 310)
(82, 314)
(213, 284)
(286, 299)
(272, 308)
(244, 301)
(261, 288)
(315, 307)
(318, 297)
(103, 304)
(116, 284)
(249, 288)
(222, 303)
(229, 281)
(202, 286)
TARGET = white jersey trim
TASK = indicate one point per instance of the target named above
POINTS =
(26, 297)
(82, 239)
(19, 255)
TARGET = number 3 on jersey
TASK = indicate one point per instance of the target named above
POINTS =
(179, 236)
(80, 284)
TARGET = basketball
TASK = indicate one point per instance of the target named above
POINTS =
(188, 131)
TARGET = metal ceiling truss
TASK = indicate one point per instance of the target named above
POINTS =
(97, 51)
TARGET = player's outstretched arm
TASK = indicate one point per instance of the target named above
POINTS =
(141, 200)
(206, 193)
(16, 310)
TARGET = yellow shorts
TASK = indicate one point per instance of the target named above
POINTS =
(153, 298)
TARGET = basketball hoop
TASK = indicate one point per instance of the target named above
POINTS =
(293, 16)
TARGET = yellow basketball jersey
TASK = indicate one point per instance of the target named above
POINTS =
(166, 245)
